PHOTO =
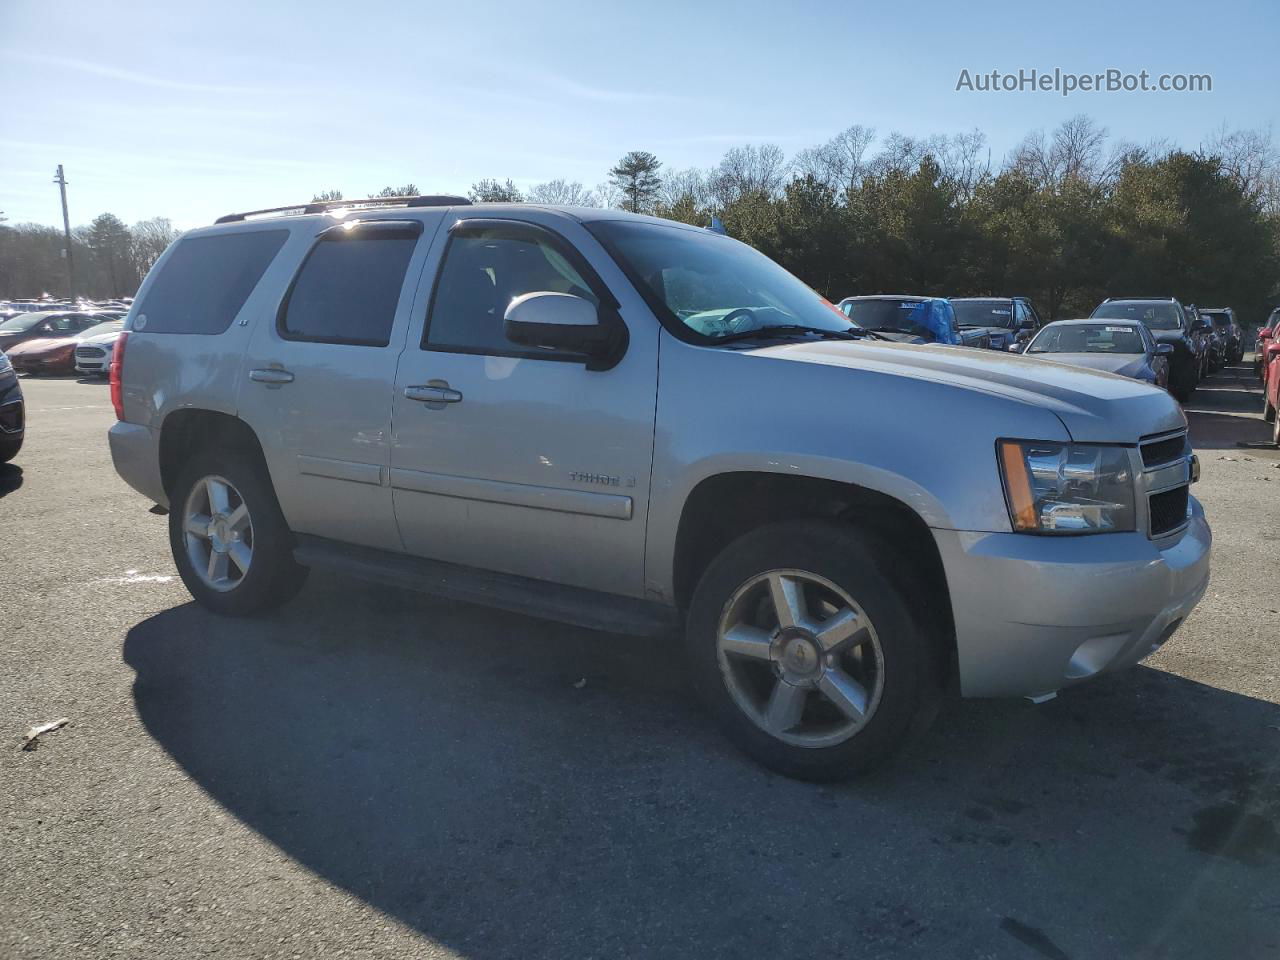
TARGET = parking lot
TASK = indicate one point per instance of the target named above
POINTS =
(376, 774)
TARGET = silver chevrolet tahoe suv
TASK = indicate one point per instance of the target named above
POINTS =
(633, 425)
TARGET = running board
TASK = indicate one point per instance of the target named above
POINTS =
(534, 598)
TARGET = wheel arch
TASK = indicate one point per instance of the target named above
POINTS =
(185, 431)
(724, 506)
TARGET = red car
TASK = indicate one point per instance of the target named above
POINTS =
(1271, 385)
(55, 354)
(1266, 338)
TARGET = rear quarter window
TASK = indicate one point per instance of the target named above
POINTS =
(205, 281)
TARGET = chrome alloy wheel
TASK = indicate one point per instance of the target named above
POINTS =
(800, 658)
(218, 533)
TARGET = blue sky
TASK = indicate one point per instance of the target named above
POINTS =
(191, 110)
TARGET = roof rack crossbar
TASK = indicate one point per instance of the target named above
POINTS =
(323, 206)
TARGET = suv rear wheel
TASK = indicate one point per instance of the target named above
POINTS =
(805, 648)
(229, 539)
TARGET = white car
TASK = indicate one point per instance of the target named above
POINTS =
(93, 355)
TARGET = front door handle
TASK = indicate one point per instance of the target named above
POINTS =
(437, 391)
(271, 375)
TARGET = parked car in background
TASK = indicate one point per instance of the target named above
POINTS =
(1201, 331)
(911, 320)
(1123, 347)
(56, 355)
(842, 527)
(1266, 333)
(43, 324)
(1271, 389)
(94, 347)
(1003, 319)
(1227, 333)
(1169, 323)
(12, 411)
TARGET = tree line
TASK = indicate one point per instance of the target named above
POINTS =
(1066, 218)
(110, 258)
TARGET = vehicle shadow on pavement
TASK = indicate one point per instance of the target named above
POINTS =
(509, 787)
(10, 478)
(1226, 411)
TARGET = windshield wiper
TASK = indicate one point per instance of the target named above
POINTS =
(783, 329)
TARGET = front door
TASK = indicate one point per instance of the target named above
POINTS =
(515, 459)
(317, 381)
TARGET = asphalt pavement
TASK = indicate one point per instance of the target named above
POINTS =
(369, 773)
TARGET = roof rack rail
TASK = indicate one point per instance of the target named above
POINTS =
(323, 206)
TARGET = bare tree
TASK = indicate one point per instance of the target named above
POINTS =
(689, 184)
(1249, 158)
(1075, 152)
(325, 196)
(149, 239)
(749, 169)
(607, 195)
(840, 162)
(562, 193)
(965, 163)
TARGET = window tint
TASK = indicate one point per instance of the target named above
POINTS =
(348, 288)
(482, 274)
(205, 281)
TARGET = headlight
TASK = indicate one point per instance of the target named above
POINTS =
(1065, 488)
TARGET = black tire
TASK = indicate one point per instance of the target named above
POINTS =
(870, 572)
(9, 447)
(273, 577)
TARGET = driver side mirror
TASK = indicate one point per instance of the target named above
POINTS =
(1164, 349)
(566, 323)
(1018, 346)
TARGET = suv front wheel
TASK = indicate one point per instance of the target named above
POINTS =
(805, 648)
(231, 544)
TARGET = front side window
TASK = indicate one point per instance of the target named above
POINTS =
(349, 286)
(1088, 338)
(205, 281)
(485, 269)
(711, 286)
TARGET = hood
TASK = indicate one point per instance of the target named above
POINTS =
(902, 337)
(1124, 364)
(39, 345)
(103, 339)
(1093, 406)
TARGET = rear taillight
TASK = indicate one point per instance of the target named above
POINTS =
(117, 368)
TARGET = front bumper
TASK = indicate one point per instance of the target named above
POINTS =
(1036, 614)
(136, 455)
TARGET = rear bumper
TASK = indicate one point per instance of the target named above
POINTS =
(135, 454)
(1036, 614)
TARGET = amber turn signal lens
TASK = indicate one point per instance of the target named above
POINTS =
(1017, 483)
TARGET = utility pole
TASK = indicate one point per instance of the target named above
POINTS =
(61, 181)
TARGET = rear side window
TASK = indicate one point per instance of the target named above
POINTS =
(205, 281)
(348, 287)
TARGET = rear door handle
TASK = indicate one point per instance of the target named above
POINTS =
(271, 375)
(433, 393)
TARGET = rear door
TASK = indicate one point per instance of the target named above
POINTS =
(318, 376)
(526, 462)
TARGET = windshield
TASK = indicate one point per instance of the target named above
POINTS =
(109, 326)
(1219, 319)
(1087, 338)
(920, 318)
(714, 286)
(20, 323)
(1157, 316)
(983, 313)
